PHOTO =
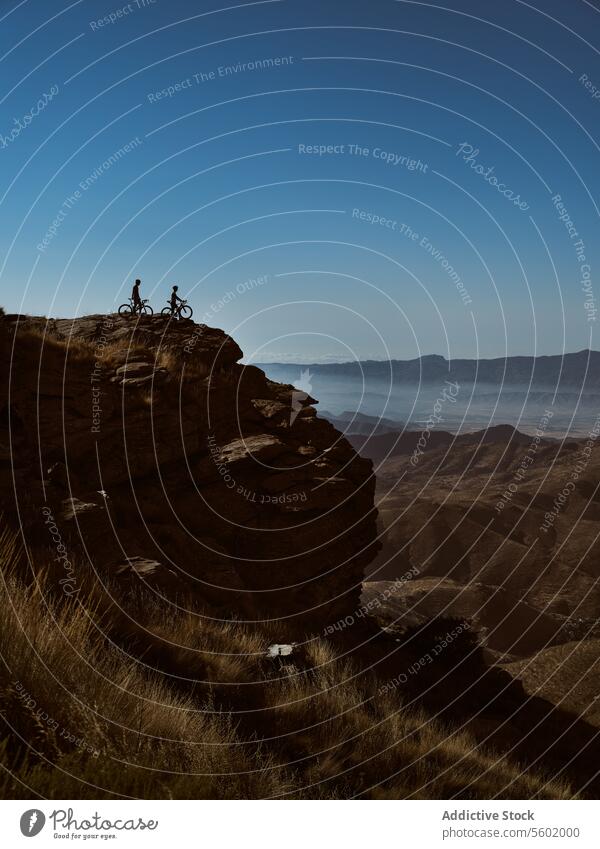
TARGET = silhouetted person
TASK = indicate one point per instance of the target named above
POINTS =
(174, 299)
(135, 296)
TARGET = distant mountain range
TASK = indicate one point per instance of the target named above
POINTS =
(564, 370)
(361, 424)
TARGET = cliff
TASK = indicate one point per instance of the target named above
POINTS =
(146, 451)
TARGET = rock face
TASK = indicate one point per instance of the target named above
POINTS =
(150, 444)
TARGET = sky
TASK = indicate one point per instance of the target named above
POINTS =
(323, 180)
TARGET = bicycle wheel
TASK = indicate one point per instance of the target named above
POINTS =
(186, 312)
(146, 310)
(125, 309)
(166, 311)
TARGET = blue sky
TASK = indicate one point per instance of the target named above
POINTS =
(190, 128)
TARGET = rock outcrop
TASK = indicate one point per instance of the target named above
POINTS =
(161, 458)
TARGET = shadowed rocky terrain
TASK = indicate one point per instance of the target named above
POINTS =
(501, 528)
(184, 546)
(167, 462)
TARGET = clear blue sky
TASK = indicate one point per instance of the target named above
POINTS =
(217, 186)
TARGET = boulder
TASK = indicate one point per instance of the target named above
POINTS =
(134, 369)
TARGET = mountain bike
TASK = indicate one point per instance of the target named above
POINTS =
(131, 309)
(180, 311)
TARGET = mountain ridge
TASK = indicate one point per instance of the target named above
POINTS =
(576, 368)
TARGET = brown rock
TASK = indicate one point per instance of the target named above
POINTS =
(216, 487)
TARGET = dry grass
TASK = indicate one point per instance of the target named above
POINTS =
(40, 342)
(61, 680)
(221, 720)
(169, 359)
(36, 343)
(181, 366)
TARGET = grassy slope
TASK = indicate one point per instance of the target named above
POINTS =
(84, 717)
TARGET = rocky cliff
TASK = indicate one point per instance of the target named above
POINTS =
(143, 451)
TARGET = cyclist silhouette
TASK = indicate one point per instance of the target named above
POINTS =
(178, 307)
(174, 298)
(135, 296)
(136, 305)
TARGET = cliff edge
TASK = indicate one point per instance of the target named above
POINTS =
(152, 455)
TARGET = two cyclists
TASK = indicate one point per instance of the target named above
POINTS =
(177, 308)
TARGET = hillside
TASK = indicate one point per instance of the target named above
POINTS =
(382, 446)
(183, 550)
(566, 675)
(500, 509)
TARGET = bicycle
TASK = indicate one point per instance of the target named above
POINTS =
(131, 309)
(180, 311)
